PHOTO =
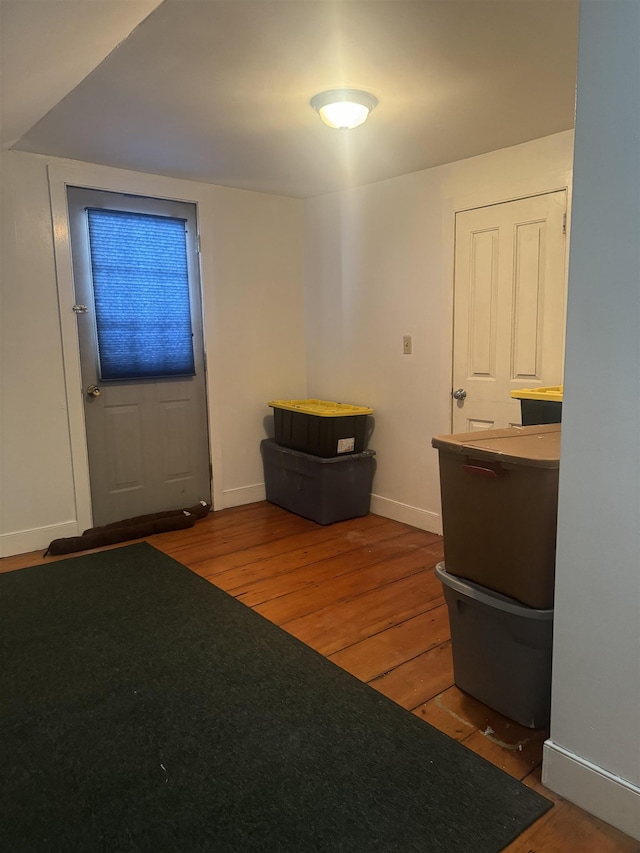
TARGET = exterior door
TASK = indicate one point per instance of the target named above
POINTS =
(509, 307)
(138, 306)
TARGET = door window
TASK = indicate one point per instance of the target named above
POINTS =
(141, 294)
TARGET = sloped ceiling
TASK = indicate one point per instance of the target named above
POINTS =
(47, 47)
(219, 90)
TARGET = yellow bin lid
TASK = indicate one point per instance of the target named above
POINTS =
(553, 393)
(321, 408)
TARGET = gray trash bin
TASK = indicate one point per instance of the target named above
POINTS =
(501, 650)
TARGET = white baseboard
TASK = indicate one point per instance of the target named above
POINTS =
(243, 495)
(37, 539)
(421, 518)
(592, 788)
(395, 510)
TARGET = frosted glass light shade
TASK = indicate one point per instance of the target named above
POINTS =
(343, 108)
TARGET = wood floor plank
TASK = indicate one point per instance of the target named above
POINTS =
(419, 679)
(567, 829)
(459, 715)
(254, 549)
(349, 585)
(383, 544)
(514, 748)
(384, 651)
(241, 579)
(209, 532)
(332, 628)
(447, 712)
(238, 578)
(560, 834)
(518, 761)
(243, 516)
(235, 543)
(553, 832)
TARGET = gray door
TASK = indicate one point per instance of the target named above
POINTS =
(138, 305)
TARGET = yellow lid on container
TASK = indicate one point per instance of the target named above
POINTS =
(321, 408)
(553, 393)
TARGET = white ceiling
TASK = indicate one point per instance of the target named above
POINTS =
(218, 90)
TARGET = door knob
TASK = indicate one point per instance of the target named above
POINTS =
(93, 391)
(459, 394)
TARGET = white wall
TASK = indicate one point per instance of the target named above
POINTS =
(593, 756)
(254, 328)
(379, 265)
(36, 479)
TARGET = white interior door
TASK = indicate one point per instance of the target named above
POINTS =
(509, 307)
(137, 289)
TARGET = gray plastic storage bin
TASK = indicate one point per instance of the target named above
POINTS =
(322, 489)
(501, 650)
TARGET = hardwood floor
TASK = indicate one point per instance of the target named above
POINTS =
(364, 594)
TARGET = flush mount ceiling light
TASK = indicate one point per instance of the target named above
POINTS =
(343, 108)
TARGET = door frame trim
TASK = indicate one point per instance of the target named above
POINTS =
(556, 181)
(60, 176)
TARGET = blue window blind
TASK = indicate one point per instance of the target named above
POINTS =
(141, 294)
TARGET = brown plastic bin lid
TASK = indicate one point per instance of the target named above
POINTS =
(535, 446)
